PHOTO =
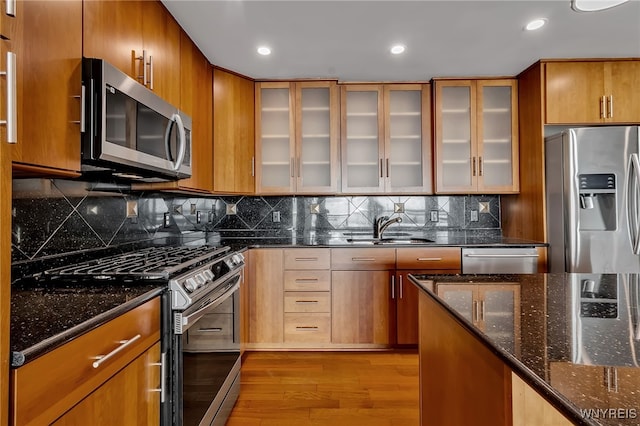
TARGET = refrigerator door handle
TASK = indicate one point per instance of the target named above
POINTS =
(633, 186)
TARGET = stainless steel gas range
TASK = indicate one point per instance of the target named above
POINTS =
(200, 344)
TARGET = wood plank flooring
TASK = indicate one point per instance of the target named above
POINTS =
(328, 388)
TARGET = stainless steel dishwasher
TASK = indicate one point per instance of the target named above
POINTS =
(499, 260)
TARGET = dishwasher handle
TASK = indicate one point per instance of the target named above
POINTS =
(500, 255)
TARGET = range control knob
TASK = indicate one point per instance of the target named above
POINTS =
(190, 284)
(200, 279)
(208, 274)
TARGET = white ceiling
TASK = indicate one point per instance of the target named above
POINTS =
(350, 40)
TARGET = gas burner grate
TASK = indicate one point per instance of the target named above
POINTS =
(148, 263)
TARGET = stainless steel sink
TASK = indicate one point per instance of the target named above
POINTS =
(395, 240)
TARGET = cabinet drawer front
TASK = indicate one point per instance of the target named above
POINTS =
(429, 258)
(212, 330)
(306, 258)
(48, 386)
(307, 280)
(314, 328)
(307, 301)
(363, 259)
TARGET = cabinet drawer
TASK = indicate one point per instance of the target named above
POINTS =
(48, 386)
(306, 258)
(363, 259)
(429, 258)
(307, 280)
(307, 301)
(212, 330)
(313, 328)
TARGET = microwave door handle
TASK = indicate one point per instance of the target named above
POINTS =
(182, 142)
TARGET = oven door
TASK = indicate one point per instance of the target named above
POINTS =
(208, 359)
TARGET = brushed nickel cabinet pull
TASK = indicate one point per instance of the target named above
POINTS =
(381, 169)
(429, 259)
(307, 328)
(306, 259)
(211, 329)
(473, 166)
(12, 99)
(610, 106)
(163, 378)
(393, 287)
(603, 107)
(10, 8)
(306, 302)
(150, 72)
(363, 259)
(123, 344)
(479, 166)
(401, 290)
(387, 167)
(306, 280)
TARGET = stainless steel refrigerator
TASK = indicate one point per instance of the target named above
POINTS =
(593, 199)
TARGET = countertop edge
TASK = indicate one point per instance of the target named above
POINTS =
(565, 406)
(19, 358)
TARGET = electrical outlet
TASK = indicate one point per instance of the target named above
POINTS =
(434, 215)
(198, 216)
(167, 220)
(275, 217)
(474, 216)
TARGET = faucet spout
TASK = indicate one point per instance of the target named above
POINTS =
(382, 223)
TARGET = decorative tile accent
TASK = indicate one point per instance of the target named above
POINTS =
(232, 209)
(398, 207)
(314, 208)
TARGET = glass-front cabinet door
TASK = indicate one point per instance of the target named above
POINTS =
(275, 145)
(297, 137)
(497, 136)
(362, 138)
(476, 133)
(500, 314)
(386, 138)
(407, 138)
(317, 123)
(455, 122)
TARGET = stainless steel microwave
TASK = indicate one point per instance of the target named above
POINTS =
(129, 131)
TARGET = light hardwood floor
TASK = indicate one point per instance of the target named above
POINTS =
(328, 388)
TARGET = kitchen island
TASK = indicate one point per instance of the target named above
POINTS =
(539, 349)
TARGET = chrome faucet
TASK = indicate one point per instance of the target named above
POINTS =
(381, 223)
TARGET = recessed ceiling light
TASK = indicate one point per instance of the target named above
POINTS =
(397, 49)
(594, 5)
(264, 50)
(535, 24)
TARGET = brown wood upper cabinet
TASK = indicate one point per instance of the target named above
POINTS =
(140, 38)
(233, 133)
(386, 143)
(476, 131)
(297, 137)
(50, 96)
(196, 100)
(592, 92)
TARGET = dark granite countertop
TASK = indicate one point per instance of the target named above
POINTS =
(45, 317)
(340, 239)
(577, 343)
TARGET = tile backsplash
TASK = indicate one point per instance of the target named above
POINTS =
(57, 216)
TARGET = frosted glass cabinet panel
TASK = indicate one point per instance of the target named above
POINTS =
(362, 132)
(476, 136)
(275, 137)
(407, 138)
(493, 308)
(386, 140)
(497, 158)
(297, 137)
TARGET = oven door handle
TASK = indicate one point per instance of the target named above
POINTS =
(183, 323)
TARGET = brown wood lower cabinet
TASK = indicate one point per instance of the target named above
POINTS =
(362, 308)
(46, 388)
(131, 397)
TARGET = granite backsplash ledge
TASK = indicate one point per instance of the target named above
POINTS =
(58, 216)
